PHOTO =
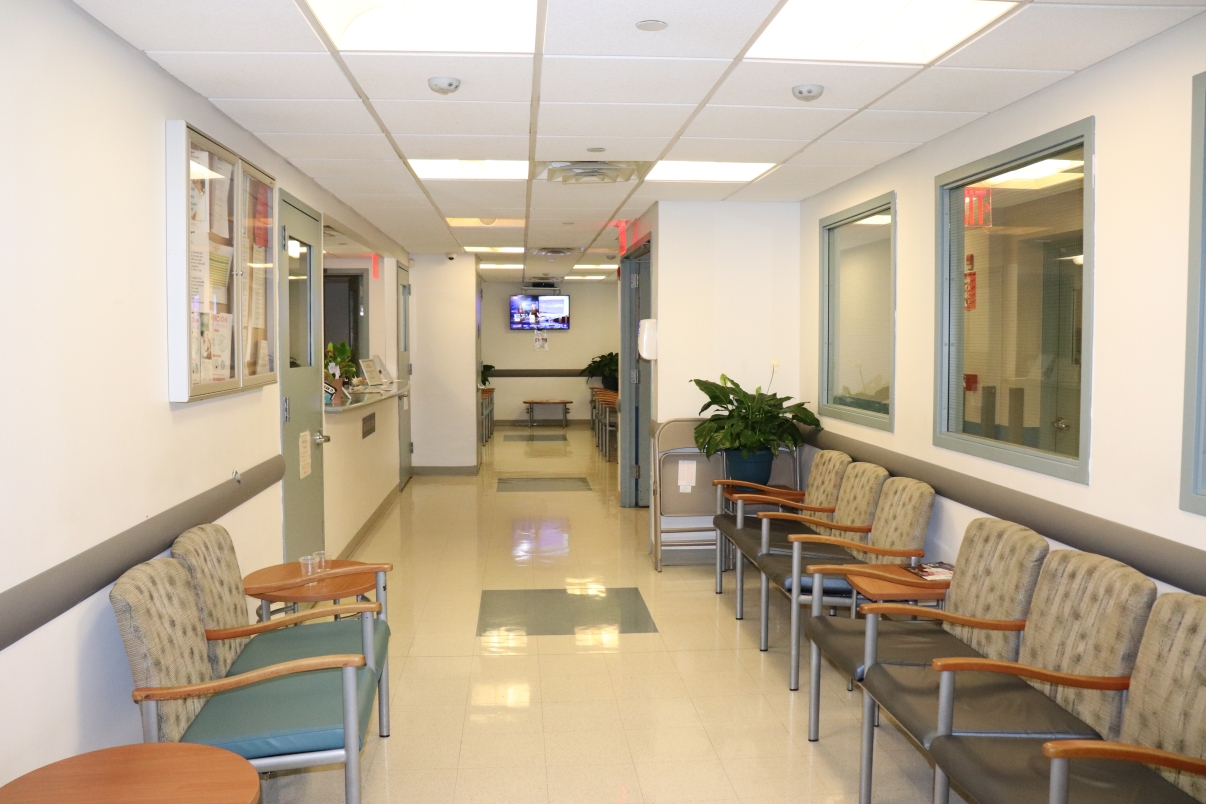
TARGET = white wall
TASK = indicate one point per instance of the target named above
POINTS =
(594, 330)
(99, 448)
(726, 279)
(1141, 101)
(443, 349)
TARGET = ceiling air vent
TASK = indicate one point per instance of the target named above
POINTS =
(556, 252)
(591, 172)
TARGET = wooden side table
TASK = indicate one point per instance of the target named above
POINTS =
(144, 773)
(564, 403)
(880, 591)
(284, 583)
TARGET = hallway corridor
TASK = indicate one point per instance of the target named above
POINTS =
(691, 713)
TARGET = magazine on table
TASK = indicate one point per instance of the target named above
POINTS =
(936, 571)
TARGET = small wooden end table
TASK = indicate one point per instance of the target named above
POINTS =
(564, 403)
(880, 591)
(284, 583)
(144, 773)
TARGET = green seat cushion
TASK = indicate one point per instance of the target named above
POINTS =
(310, 639)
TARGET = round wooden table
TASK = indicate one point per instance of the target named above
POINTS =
(335, 588)
(145, 773)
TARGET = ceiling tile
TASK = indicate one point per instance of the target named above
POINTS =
(485, 193)
(258, 75)
(796, 182)
(963, 89)
(403, 76)
(263, 26)
(697, 28)
(365, 185)
(478, 210)
(1065, 37)
(299, 116)
(576, 79)
(485, 236)
(847, 86)
(612, 119)
(355, 169)
(622, 148)
(579, 196)
(454, 117)
(449, 146)
(684, 191)
(827, 152)
(765, 122)
(330, 146)
(596, 215)
(559, 237)
(881, 126)
(701, 149)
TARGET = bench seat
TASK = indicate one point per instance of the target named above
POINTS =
(914, 643)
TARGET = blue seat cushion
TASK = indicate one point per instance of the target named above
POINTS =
(291, 714)
(310, 639)
(778, 569)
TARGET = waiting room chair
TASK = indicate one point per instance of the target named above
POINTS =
(1161, 754)
(1086, 618)
(208, 553)
(994, 578)
(279, 715)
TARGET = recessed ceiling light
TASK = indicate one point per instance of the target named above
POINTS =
(499, 223)
(492, 266)
(651, 25)
(570, 278)
(582, 267)
(909, 32)
(450, 26)
(596, 150)
(875, 220)
(470, 168)
(494, 249)
(708, 171)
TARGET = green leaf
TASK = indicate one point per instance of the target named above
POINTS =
(749, 421)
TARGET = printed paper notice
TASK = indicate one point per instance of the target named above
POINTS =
(219, 197)
(303, 454)
(219, 346)
(686, 476)
(259, 316)
(262, 365)
(541, 342)
(370, 372)
(219, 271)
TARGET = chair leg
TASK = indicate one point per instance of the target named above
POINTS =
(351, 739)
(814, 692)
(383, 699)
(740, 581)
(868, 750)
(720, 540)
(764, 612)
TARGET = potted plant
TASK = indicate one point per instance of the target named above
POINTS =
(486, 369)
(749, 427)
(607, 368)
(338, 360)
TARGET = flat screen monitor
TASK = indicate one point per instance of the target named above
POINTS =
(540, 312)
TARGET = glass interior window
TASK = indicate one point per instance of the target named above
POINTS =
(1016, 288)
(301, 345)
(257, 278)
(860, 313)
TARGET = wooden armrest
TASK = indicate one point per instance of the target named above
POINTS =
(1102, 749)
(206, 688)
(789, 494)
(812, 538)
(768, 500)
(292, 619)
(334, 572)
(1037, 673)
(876, 571)
(945, 616)
(820, 523)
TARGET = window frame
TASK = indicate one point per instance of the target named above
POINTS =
(1193, 471)
(1073, 469)
(880, 421)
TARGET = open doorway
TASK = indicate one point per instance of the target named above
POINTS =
(636, 380)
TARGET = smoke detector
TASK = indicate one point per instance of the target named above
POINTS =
(807, 92)
(589, 172)
(444, 84)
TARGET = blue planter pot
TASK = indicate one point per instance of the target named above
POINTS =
(754, 469)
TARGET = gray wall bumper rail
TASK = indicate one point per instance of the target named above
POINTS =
(31, 604)
(1172, 562)
(536, 373)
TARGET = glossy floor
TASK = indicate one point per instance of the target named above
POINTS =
(691, 713)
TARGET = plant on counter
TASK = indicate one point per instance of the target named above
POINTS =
(338, 360)
(486, 369)
(607, 368)
(749, 427)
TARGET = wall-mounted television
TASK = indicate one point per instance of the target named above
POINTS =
(540, 312)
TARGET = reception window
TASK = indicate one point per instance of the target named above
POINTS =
(1193, 470)
(858, 313)
(1015, 271)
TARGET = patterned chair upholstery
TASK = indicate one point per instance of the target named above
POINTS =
(1086, 617)
(208, 553)
(1164, 711)
(902, 518)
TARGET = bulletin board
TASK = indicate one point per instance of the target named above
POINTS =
(221, 269)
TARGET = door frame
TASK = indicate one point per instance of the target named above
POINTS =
(636, 377)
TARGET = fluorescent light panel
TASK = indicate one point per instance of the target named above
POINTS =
(585, 277)
(470, 169)
(875, 220)
(498, 223)
(493, 249)
(424, 26)
(886, 31)
(708, 171)
(491, 266)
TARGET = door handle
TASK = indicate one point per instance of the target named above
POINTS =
(319, 438)
(1060, 424)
